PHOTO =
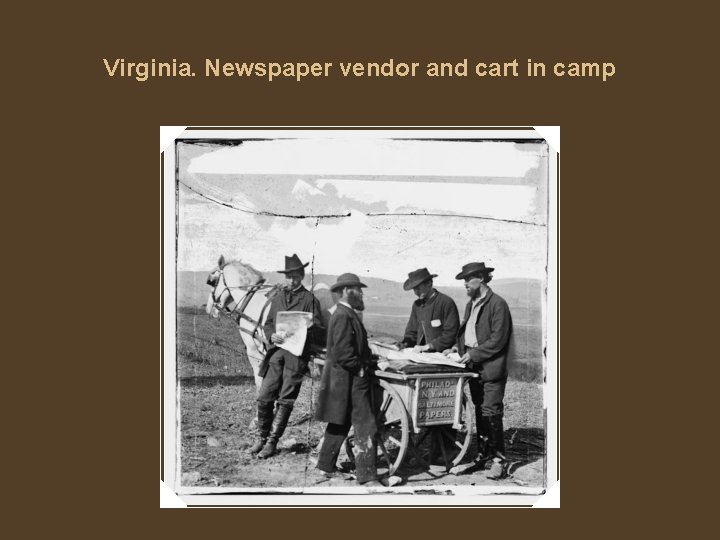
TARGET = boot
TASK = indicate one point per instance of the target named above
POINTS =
(265, 418)
(497, 448)
(482, 428)
(278, 428)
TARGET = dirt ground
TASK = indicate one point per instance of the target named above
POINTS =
(217, 403)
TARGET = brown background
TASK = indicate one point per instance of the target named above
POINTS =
(82, 221)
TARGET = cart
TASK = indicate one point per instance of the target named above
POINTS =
(424, 419)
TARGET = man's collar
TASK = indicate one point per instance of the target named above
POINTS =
(343, 303)
(482, 299)
(422, 302)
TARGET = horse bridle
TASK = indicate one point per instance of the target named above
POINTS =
(238, 312)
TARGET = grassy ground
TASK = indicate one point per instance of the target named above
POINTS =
(213, 346)
(217, 401)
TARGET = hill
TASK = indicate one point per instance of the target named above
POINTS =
(524, 295)
(387, 307)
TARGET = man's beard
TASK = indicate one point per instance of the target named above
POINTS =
(356, 301)
(473, 293)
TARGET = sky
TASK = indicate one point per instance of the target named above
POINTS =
(328, 200)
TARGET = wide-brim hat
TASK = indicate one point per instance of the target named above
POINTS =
(473, 268)
(415, 278)
(347, 280)
(292, 263)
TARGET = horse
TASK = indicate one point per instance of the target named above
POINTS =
(241, 292)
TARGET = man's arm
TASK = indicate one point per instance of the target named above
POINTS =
(410, 337)
(344, 351)
(451, 324)
(459, 336)
(269, 326)
(501, 324)
(318, 333)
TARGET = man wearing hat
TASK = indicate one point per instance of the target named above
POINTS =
(483, 341)
(281, 370)
(434, 319)
(344, 394)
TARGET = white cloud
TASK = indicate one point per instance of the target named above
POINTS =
(303, 189)
(378, 246)
(472, 199)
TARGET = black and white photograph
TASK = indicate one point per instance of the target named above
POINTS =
(360, 312)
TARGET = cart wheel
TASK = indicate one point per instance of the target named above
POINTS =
(445, 445)
(393, 424)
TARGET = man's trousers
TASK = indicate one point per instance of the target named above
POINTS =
(285, 374)
(363, 422)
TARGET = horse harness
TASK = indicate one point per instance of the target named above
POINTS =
(238, 312)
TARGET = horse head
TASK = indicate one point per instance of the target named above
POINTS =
(226, 279)
(219, 295)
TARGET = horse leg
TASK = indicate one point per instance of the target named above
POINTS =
(254, 357)
(255, 361)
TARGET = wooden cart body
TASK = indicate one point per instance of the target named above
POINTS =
(431, 399)
(426, 416)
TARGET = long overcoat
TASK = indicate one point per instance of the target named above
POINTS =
(302, 300)
(348, 353)
(493, 328)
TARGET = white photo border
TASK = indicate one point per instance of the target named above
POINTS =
(465, 496)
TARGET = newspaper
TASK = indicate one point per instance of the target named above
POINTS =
(385, 351)
(292, 326)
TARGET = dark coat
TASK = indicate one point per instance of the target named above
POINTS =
(435, 321)
(302, 300)
(347, 353)
(493, 328)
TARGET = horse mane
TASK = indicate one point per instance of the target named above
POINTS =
(247, 274)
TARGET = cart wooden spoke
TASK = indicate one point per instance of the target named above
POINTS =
(426, 415)
(393, 424)
(445, 445)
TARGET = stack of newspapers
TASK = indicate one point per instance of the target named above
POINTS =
(391, 352)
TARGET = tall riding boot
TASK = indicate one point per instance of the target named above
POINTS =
(497, 447)
(482, 427)
(265, 418)
(278, 428)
